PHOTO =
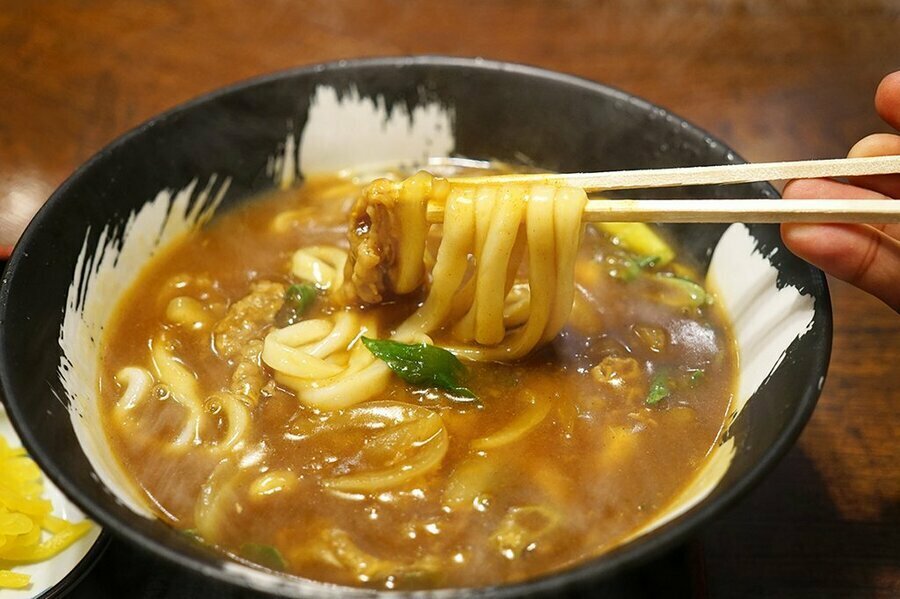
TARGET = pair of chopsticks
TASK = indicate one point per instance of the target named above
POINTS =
(718, 211)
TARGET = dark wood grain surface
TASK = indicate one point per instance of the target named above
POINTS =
(776, 80)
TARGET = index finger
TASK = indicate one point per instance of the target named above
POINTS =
(878, 144)
(887, 99)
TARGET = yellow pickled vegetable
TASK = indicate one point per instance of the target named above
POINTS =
(25, 515)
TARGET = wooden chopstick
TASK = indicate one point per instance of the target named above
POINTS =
(732, 210)
(701, 175)
(746, 211)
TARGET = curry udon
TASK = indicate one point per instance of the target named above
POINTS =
(271, 401)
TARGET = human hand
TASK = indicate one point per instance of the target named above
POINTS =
(867, 256)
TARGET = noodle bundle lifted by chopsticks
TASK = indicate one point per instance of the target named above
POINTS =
(476, 289)
(500, 283)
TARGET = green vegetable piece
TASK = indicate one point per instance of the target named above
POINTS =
(301, 296)
(634, 267)
(638, 238)
(421, 364)
(685, 292)
(696, 377)
(649, 261)
(632, 270)
(264, 555)
(192, 534)
(659, 389)
(298, 299)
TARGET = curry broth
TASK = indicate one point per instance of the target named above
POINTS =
(598, 466)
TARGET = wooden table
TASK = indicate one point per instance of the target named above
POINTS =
(777, 80)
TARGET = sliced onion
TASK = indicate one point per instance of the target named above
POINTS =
(470, 480)
(521, 425)
(397, 443)
(435, 448)
(523, 526)
(335, 547)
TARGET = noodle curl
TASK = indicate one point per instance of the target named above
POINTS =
(324, 363)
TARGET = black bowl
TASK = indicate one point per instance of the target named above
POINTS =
(404, 108)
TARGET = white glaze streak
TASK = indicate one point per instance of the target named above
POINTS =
(350, 130)
(102, 275)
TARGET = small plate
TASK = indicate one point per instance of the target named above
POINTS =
(51, 578)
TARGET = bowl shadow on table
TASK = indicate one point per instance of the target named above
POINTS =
(789, 539)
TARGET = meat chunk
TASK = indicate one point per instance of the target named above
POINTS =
(372, 244)
(388, 231)
(249, 377)
(621, 378)
(248, 319)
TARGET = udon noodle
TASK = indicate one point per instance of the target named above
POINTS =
(395, 403)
